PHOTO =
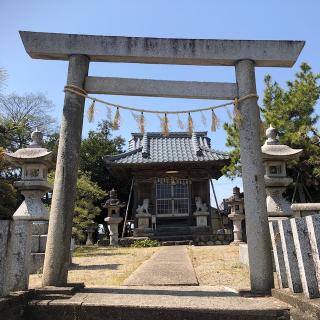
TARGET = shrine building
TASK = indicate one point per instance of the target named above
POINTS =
(171, 182)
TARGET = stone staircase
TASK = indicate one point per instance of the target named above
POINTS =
(175, 234)
(154, 303)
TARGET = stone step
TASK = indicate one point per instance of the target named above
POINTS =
(96, 312)
(156, 303)
(302, 307)
(173, 230)
(162, 238)
(177, 243)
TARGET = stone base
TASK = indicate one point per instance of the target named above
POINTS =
(201, 230)
(201, 218)
(142, 232)
(5, 252)
(38, 245)
(103, 243)
(243, 254)
(236, 243)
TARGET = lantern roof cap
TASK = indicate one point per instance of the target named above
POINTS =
(32, 153)
(272, 149)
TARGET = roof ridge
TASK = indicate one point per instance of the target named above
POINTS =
(145, 152)
(196, 145)
(120, 155)
(214, 150)
(174, 134)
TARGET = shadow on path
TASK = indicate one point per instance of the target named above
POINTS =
(114, 266)
(172, 292)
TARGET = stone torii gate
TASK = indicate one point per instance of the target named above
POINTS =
(244, 55)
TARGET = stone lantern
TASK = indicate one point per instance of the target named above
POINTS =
(237, 208)
(275, 157)
(90, 231)
(34, 161)
(113, 206)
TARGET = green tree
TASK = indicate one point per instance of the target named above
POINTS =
(291, 111)
(20, 115)
(92, 151)
(87, 206)
(89, 196)
(8, 195)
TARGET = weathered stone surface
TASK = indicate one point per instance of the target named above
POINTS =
(301, 308)
(20, 243)
(313, 225)
(5, 252)
(290, 256)
(32, 205)
(258, 238)
(35, 244)
(305, 209)
(36, 262)
(63, 200)
(58, 46)
(40, 227)
(158, 303)
(304, 255)
(161, 88)
(43, 243)
(201, 218)
(113, 227)
(275, 156)
(39, 241)
(278, 254)
(243, 254)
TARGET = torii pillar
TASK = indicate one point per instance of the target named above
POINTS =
(244, 55)
(56, 262)
(258, 239)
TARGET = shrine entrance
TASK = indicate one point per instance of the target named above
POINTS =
(172, 197)
(243, 55)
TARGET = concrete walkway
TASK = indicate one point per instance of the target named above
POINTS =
(169, 266)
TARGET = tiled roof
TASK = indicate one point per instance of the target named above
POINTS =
(154, 148)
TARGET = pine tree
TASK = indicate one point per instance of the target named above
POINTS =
(292, 111)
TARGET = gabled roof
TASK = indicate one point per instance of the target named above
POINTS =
(177, 147)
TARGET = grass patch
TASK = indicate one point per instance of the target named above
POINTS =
(145, 243)
(102, 266)
(219, 265)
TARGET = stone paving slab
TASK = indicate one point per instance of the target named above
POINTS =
(168, 266)
(158, 303)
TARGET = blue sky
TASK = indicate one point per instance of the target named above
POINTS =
(237, 19)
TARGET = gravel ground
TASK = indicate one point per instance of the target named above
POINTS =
(101, 267)
(219, 265)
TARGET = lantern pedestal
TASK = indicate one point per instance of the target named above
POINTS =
(113, 205)
(113, 227)
(237, 228)
(90, 231)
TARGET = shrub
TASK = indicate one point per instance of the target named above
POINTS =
(145, 243)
